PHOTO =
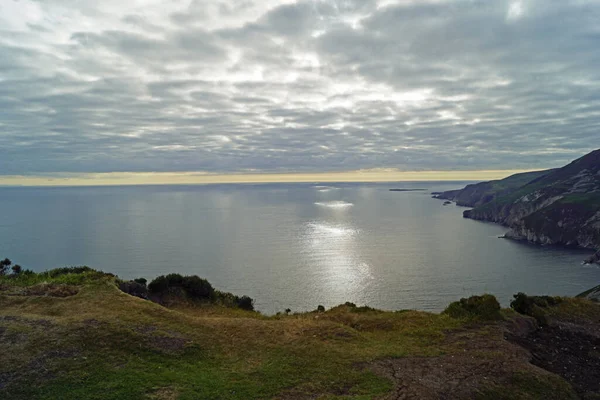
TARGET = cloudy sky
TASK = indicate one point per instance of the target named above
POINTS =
(229, 86)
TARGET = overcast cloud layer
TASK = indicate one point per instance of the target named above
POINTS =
(279, 85)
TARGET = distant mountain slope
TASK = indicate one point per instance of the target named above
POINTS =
(560, 206)
(481, 193)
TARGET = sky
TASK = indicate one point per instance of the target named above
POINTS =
(293, 88)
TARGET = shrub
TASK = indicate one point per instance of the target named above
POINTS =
(197, 287)
(194, 286)
(161, 284)
(350, 304)
(320, 308)
(245, 303)
(17, 269)
(534, 306)
(484, 307)
(141, 281)
(135, 289)
(4, 265)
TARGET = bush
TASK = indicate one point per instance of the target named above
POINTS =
(320, 308)
(135, 289)
(194, 286)
(484, 307)
(197, 287)
(4, 265)
(141, 281)
(245, 303)
(17, 269)
(534, 306)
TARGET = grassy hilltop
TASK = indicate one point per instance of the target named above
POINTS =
(73, 334)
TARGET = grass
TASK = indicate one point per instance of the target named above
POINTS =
(101, 343)
(120, 347)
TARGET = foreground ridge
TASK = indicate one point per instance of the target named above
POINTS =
(73, 334)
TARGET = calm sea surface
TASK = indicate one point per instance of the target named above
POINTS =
(287, 245)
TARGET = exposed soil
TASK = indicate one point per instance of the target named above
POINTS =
(569, 351)
(37, 370)
(483, 360)
(167, 344)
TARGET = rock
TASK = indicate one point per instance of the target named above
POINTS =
(594, 259)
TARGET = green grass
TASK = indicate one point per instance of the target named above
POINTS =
(60, 276)
(101, 343)
(110, 353)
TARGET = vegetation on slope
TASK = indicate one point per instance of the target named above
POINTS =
(91, 340)
(484, 192)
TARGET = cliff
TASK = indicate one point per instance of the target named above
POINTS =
(560, 206)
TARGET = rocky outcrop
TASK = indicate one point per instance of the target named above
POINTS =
(559, 206)
(593, 259)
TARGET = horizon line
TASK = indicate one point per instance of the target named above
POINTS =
(205, 178)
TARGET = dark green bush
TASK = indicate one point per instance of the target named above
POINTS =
(320, 308)
(134, 288)
(524, 304)
(534, 306)
(141, 281)
(349, 304)
(161, 284)
(198, 287)
(17, 269)
(194, 286)
(4, 266)
(484, 307)
(245, 303)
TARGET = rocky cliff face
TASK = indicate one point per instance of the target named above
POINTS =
(559, 206)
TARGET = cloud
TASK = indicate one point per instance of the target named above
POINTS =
(309, 85)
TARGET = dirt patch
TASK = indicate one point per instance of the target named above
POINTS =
(483, 362)
(478, 359)
(37, 369)
(12, 338)
(167, 344)
(568, 350)
(145, 329)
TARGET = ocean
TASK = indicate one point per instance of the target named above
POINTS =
(291, 246)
